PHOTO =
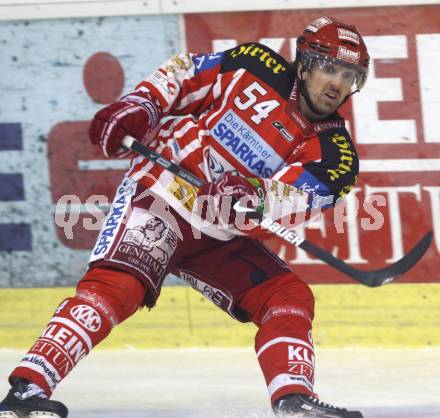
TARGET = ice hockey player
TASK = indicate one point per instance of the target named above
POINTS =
(260, 131)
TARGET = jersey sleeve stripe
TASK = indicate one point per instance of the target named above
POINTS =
(279, 174)
(217, 89)
(165, 103)
(193, 96)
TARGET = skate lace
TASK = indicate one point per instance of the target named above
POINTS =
(32, 389)
(317, 402)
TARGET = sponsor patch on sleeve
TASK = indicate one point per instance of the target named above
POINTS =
(319, 193)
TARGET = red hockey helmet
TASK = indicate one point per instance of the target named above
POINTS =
(328, 40)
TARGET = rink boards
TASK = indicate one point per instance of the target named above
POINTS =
(399, 315)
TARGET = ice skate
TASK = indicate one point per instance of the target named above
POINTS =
(303, 406)
(27, 400)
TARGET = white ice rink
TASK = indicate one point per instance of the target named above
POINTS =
(214, 383)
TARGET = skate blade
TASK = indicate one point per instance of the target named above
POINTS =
(35, 414)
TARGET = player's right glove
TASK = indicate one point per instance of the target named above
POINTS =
(134, 114)
(242, 203)
(232, 200)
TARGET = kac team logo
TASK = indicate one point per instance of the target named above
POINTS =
(88, 317)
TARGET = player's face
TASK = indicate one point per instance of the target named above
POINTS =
(328, 84)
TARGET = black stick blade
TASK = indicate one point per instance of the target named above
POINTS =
(379, 277)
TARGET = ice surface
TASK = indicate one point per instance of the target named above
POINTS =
(227, 383)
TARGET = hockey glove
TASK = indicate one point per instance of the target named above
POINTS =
(232, 200)
(134, 114)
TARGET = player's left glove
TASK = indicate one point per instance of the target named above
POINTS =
(134, 114)
(232, 200)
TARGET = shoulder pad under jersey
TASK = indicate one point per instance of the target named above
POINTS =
(264, 63)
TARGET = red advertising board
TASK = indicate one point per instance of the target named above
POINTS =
(394, 122)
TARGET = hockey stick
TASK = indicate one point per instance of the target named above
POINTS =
(372, 278)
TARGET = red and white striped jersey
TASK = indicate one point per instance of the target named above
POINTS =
(236, 111)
